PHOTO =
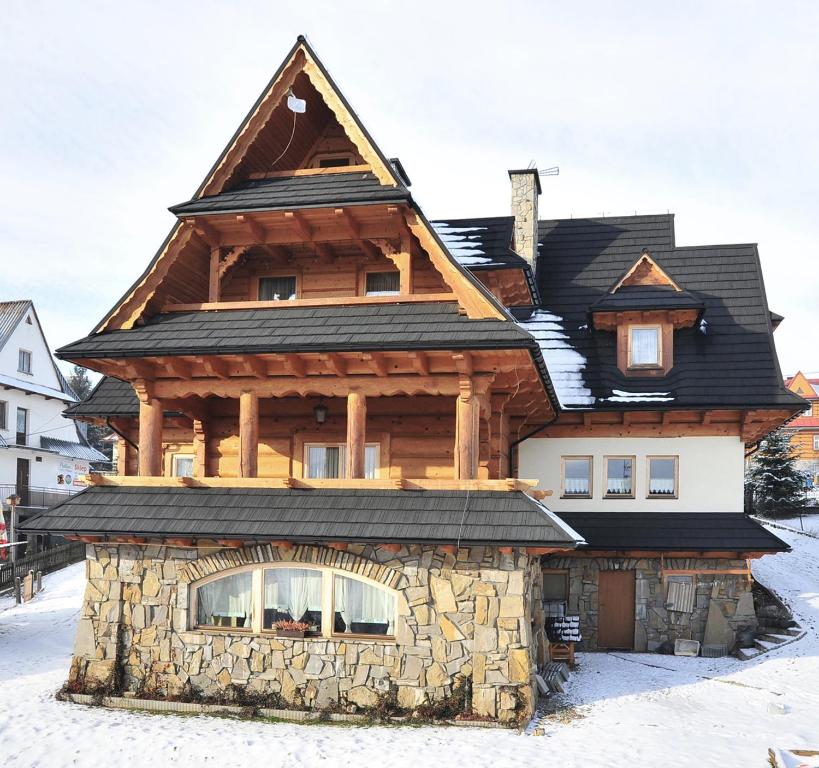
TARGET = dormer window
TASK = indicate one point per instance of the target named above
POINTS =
(277, 288)
(383, 283)
(645, 346)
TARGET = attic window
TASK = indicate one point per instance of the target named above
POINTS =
(644, 346)
(277, 288)
(28, 320)
(333, 160)
(383, 283)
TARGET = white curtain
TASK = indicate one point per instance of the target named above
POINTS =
(645, 346)
(361, 603)
(325, 461)
(577, 476)
(228, 597)
(661, 478)
(292, 590)
(370, 461)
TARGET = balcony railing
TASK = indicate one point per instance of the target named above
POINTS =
(35, 496)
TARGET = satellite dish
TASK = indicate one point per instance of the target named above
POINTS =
(296, 105)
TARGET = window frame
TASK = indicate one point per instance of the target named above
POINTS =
(4, 414)
(279, 273)
(676, 494)
(564, 572)
(17, 432)
(316, 159)
(632, 366)
(816, 442)
(342, 446)
(563, 494)
(379, 271)
(633, 493)
(182, 455)
(257, 571)
(20, 352)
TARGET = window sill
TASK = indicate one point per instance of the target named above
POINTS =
(576, 496)
(269, 633)
(662, 496)
(618, 496)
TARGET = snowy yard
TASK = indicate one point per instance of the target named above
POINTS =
(620, 710)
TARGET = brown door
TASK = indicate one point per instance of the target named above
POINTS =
(615, 618)
(23, 481)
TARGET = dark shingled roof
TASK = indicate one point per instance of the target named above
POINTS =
(477, 517)
(315, 191)
(728, 362)
(669, 531)
(111, 397)
(483, 243)
(303, 329)
(638, 297)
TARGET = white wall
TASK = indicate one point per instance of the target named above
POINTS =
(29, 337)
(711, 472)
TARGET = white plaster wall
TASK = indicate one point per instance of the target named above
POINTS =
(711, 472)
(29, 337)
(45, 417)
(43, 473)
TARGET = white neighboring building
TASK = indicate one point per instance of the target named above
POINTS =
(43, 454)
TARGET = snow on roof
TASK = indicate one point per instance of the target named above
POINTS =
(464, 243)
(38, 389)
(564, 363)
(620, 396)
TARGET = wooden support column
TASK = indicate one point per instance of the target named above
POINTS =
(356, 433)
(200, 448)
(467, 432)
(123, 456)
(150, 433)
(213, 281)
(248, 434)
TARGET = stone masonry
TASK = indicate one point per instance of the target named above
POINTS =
(524, 209)
(467, 615)
(726, 597)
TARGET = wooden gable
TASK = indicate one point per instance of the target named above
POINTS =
(645, 271)
(801, 386)
(274, 141)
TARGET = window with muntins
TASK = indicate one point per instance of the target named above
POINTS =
(576, 481)
(24, 361)
(383, 283)
(329, 460)
(619, 477)
(324, 601)
(662, 477)
(277, 288)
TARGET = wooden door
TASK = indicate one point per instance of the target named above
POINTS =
(23, 481)
(615, 617)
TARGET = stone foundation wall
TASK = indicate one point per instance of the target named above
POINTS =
(465, 615)
(726, 597)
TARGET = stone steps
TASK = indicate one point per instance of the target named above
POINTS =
(746, 654)
(770, 637)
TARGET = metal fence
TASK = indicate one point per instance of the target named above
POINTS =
(45, 561)
(36, 496)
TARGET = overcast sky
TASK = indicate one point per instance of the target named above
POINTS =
(112, 112)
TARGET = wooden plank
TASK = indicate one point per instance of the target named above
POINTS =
(329, 301)
(311, 172)
(356, 434)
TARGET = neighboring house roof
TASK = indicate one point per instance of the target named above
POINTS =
(111, 397)
(11, 313)
(803, 422)
(71, 449)
(302, 329)
(669, 531)
(314, 191)
(484, 243)
(646, 297)
(38, 389)
(476, 517)
(728, 360)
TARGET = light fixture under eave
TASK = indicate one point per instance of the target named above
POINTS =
(295, 104)
(320, 412)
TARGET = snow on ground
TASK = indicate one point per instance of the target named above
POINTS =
(620, 709)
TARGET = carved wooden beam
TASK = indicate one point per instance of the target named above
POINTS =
(215, 367)
(301, 226)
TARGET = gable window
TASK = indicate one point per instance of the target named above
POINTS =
(555, 592)
(277, 288)
(22, 426)
(383, 283)
(644, 346)
(226, 602)
(619, 477)
(663, 477)
(4, 414)
(182, 465)
(576, 477)
(329, 460)
(24, 361)
(328, 601)
(815, 438)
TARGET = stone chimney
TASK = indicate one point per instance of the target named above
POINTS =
(525, 191)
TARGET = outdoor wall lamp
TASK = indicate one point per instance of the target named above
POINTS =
(320, 412)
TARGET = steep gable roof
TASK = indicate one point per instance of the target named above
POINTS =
(11, 313)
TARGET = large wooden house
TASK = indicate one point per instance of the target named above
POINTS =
(333, 411)
(804, 429)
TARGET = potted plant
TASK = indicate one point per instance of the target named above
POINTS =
(288, 628)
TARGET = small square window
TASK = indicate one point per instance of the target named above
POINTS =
(24, 361)
(182, 465)
(619, 477)
(662, 477)
(383, 283)
(277, 288)
(644, 347)
(576, 477)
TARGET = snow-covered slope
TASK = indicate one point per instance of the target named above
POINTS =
(621, 709)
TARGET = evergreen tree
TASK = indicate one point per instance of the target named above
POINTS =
(772, 477)
(80, 382)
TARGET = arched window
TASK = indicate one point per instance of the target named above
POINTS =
(325, 601)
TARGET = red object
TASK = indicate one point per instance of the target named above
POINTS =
(4, 539)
